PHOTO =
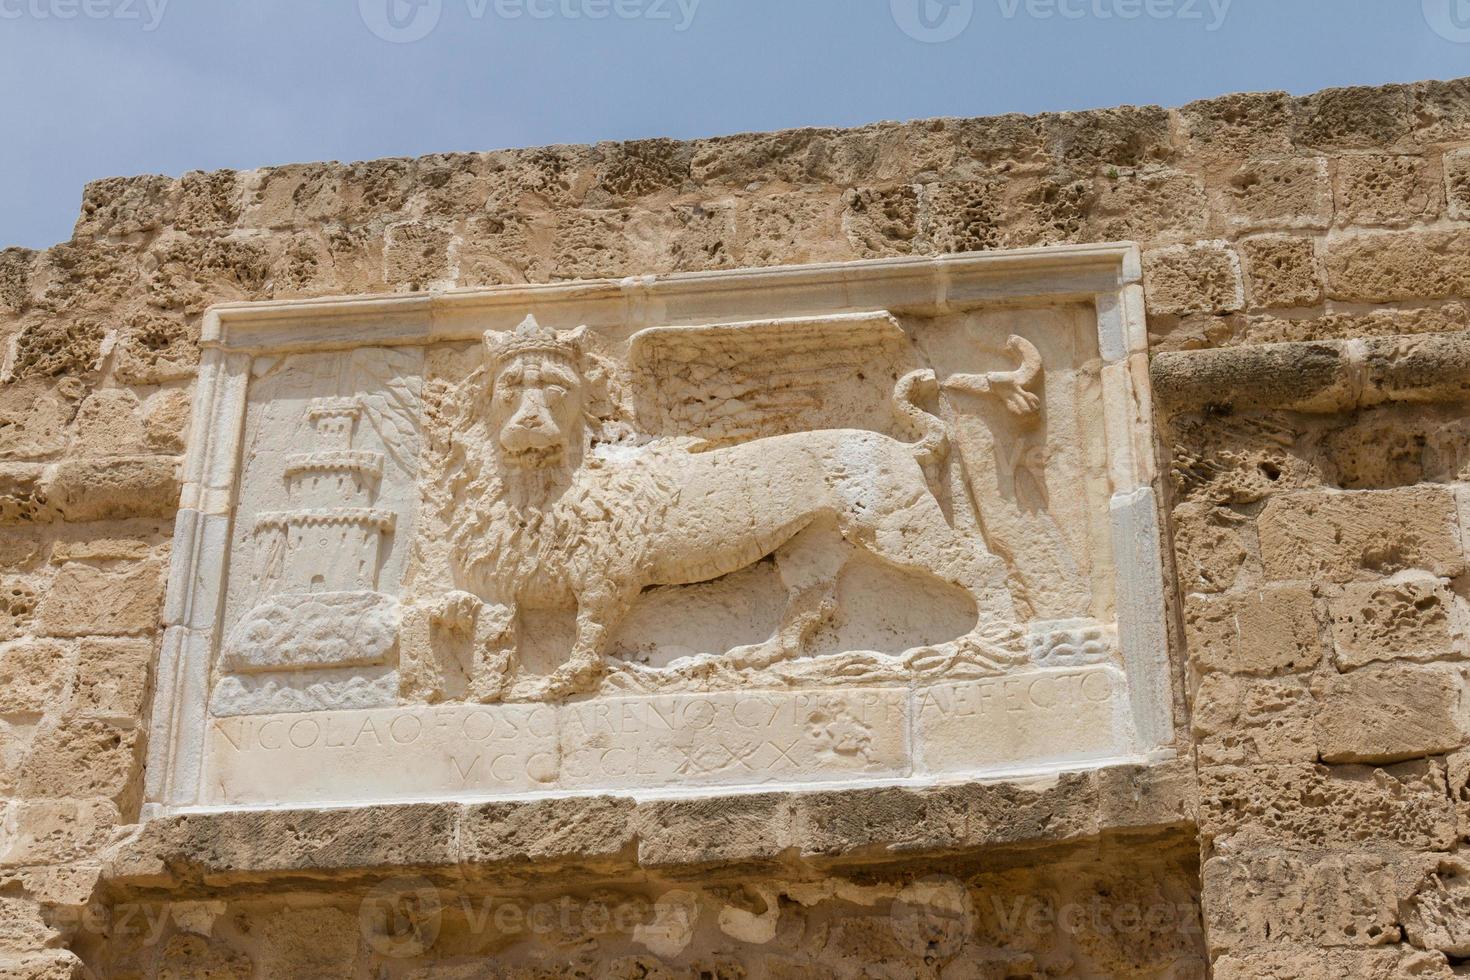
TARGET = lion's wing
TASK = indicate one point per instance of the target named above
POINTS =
(732, 382)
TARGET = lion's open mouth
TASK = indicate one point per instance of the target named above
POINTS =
(535, 458)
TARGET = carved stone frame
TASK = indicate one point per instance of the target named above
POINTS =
(233, 334)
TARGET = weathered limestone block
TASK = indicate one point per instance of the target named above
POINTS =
(1436, 914)
(1383, 189)
(966, 216)
(52, 964)
(1317, 807)
(1290, 192)
(187, 957)
(1307, 964)
(18, 600)
(126, 205)
(1354, 117)
(1213, 547)
(46, 348)
(187, 274)
(1253, 124)
(44, 831)
(1244, 721)
(1149, 206)
(416, 256)
(216, 847)
(1126, 136)
(15, 278)
(33, 676)
(1379, 267)
(1282, 271)
(1390, 712)
(112, 677)
(81, 758)
(16, 737)
(155, 348)
(34, 415)
(166, 420)
(754, 828)
(1405, 618)
(114, 488)
(208, 201)
(639, 168)
(1457, 182)
(1049, 211)
(1440, 111)
(596, 244)
(881, 222)
(1342, 537)
(1303, 376)
(85, 600)
(796, 156)
(578, 830)
(1270, 329)
(1203, 278)
(1240, 459)
(109, 422)
(791, 227)
(1315, 899)
(1013, 138)
(832, 824)
(22, 927)
(1417, 368)
(1265, 631)
(1376, 449)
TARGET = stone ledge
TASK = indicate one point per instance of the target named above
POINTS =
(795, 834)
(1317, 376)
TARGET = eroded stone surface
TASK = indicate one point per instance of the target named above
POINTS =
(101, 349)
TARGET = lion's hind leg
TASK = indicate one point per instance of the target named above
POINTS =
(908, 528)
(809, 565)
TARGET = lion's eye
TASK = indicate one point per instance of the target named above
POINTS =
(556, 391)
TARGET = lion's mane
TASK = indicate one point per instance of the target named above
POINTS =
(594, 529)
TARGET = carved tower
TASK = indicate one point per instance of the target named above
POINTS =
(331, 539)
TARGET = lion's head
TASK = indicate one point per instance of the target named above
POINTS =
(538, 398)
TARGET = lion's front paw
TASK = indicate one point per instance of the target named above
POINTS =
(578, 676)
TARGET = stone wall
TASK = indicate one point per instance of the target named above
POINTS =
(1307, 267)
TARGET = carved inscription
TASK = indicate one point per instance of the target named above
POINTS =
(750, 739)
(1026, 719)
(392, 754)
(735, 739)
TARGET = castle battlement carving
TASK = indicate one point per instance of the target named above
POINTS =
(319, 605)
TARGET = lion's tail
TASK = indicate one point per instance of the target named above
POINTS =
(933, 444)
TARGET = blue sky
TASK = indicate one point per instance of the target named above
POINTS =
(97, 88)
